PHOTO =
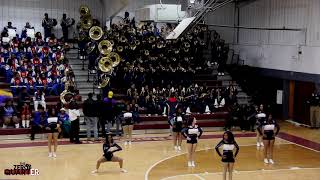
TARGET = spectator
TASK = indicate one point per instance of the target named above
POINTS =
(39, 121)
(39, 99)
(102, 121)
(64, 121)
(74, 115)
(24, 97)
(9, 114)
(90, 116)
(25, 115)
(109, 110)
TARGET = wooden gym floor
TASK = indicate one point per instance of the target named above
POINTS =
(297, 157)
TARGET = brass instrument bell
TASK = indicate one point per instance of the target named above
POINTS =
(105, 47)
(86, 23)
(95, 33)
(105, 64)
(115, 58)
(120, 48)
(84, 11)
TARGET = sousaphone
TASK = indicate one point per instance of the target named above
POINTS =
(105, 47)
(105, 64)
(95, 33)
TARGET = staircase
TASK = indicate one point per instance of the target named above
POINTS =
(81, 75)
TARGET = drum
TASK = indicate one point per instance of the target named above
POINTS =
(31, 33)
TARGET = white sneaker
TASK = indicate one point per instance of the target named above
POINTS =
(271, 161)
(129, 142)
(123, 170)
(193, 164)
(189, 164)
(54, 155)
(266, 161)
(258, 144)
(179, 148)
(94, 171)
(50, 155)
(126, 143)
(176, 148)
(261, 144)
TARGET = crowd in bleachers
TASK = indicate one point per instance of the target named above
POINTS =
(34, 68)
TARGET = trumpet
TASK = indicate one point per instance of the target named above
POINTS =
(95, 33)
(105, 47)
(120, 48)
(123, 39)
(146, 52)
(152, 39)
(186, 44)
(137, 42)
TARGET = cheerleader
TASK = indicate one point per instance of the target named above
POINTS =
(261, 116)
(52, 129)
(267, 130)
(228, 156)
(177, 123)
(110, 147)
(127, 126)
(192, 133)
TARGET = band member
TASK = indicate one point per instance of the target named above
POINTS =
(261, 116)
(110, 147)
(228, 156)
(193, 132)
(64, 27)
(47, 28)
(52, 129)
(24, 30)
(39, 121)
(127, 125)
(177, 123)
(267, 130)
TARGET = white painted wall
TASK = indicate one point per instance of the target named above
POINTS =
(223, 16)
(279, 49)
(21, 11)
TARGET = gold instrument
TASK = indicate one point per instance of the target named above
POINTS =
(104, 81)
(137, 42)
(66, 97)
(115, 58)
(105, 47)
(84, 11)
(123, 39)
(90, 47)
(186, 44)
(86, 23)
(119, 48)
(95, 33)
(105, 64)
(204, 28)
(146, 52)
(133, 46)
(112, 42)
(152, 39)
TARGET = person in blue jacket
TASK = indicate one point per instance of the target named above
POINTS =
(39, 121)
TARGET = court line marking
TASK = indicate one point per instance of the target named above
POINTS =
(253, 171)
(198, 176)
(203, 149)
(299, 145)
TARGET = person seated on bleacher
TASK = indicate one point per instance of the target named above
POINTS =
(23, 97)
(29, 82)
(9, 114)
(16, 83)
(39, 121)
(38, 39)
(39, 99)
